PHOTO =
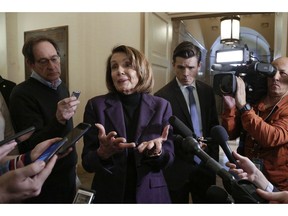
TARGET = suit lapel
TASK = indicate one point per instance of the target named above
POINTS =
(181, 101)
(114, 113)
(147, 110)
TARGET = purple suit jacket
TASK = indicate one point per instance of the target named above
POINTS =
(109, 179)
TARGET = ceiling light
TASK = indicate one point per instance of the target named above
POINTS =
(230, 29)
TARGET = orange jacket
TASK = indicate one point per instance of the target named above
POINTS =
(266, 139)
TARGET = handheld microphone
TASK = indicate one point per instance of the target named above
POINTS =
(184, 131)
(242, 191)
(191, 145)
(180, 126)
(220, 136)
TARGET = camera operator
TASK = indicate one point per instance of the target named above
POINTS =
(263, 127)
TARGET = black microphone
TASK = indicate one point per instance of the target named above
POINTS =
(181, 127)
(220, 136)
(216, 194)
(242, 191)
(191, 145)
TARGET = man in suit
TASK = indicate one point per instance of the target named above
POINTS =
(187, 176)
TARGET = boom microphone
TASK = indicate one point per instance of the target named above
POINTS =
(220, 136)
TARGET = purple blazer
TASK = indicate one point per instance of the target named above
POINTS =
(109, 178)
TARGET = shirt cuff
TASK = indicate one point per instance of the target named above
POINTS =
(269, 187)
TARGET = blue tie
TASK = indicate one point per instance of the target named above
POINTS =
(193, 112)
(194, 117)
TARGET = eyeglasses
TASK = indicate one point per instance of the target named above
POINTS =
(44, 61)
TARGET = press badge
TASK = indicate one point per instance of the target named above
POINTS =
(258, 163)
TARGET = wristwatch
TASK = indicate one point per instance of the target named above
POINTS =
(246, 107)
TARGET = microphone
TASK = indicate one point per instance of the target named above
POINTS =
(181, 127)
(184, 131)
(190, 144)
(216, 194)
(220, 136)
(242, 191)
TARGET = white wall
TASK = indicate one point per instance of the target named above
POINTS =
(3, 49)
(91, 38)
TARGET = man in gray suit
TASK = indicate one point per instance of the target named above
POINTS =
(187, 175)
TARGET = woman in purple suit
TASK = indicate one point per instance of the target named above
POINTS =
(131, 142)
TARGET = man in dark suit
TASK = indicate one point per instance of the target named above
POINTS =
(186, 176)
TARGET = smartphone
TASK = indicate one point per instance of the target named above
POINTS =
(84, 196)
(76, 94)
(74, 135)
(20, 136)
(52, 150)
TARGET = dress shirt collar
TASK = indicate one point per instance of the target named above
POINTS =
(182, 87)
(45, 82)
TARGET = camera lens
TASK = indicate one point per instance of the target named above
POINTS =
(226, 84)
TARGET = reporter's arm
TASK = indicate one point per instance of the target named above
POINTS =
(274, 197)
(248, 171)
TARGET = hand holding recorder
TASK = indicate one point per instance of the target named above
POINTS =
(66, 108)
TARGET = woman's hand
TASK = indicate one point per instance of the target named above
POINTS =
(110, 144)
(153, 147)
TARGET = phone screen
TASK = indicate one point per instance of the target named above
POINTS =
(20, 136)
(74, 135)
(51, 150)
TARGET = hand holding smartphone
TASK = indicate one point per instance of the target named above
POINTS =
(74, 135)
(20, 136)
(52, 150)
(63, 145)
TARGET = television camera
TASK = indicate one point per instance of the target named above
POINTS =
(238, 62)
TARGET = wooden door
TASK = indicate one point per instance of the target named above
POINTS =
(157, 44)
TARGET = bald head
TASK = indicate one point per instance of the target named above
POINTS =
(281, 60)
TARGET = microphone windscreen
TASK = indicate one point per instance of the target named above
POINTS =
(219, 134)
(182, 129)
